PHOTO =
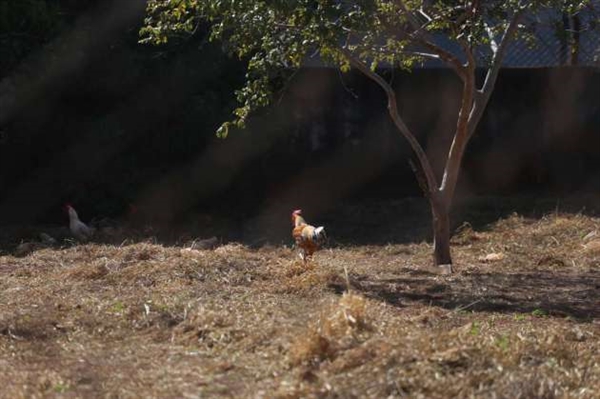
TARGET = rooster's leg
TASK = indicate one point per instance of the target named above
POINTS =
(308, 255)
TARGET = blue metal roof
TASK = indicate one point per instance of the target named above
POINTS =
(548, 49)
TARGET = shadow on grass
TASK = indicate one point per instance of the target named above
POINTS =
(556, 294)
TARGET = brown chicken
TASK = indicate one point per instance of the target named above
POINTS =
(308, 238)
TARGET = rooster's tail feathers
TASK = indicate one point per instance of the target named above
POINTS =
(320, 233)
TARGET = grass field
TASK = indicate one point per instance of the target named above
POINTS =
(520, 318)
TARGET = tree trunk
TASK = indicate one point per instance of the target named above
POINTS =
(441, 234)
(473, 104)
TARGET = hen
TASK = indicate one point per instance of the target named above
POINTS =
(308, 238)
(80, 230)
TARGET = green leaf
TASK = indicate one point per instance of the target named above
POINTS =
(223, 130)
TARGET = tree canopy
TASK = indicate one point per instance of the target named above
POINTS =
(276, 36)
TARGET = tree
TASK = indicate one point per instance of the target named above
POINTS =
(276, 37)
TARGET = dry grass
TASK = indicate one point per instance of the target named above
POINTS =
(519, 319)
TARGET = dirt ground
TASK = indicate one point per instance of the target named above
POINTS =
(519, 318)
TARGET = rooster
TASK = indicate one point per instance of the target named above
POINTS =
(308, 238)
(80, 230)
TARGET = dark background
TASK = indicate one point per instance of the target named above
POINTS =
(91, 117)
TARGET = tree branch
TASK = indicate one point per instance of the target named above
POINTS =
(424, 14)
(483, 96)
(412, 20)
(444, 55)
(466, 48)
(419, 35)
(490, 33)
(461, 135)
(472, 106)
(402, 127)
(421, 54)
